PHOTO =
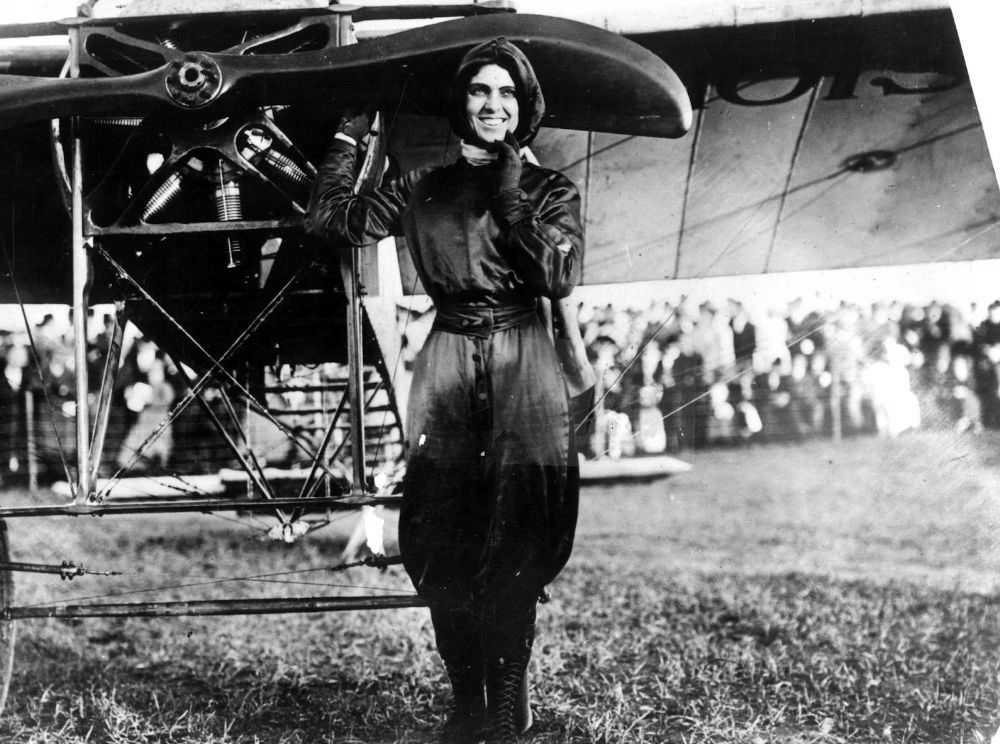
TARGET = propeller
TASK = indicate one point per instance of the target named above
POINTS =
(593, 79)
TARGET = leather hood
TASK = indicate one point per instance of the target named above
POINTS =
(531, 104)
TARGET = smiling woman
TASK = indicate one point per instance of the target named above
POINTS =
(491, 104)
(492, 481)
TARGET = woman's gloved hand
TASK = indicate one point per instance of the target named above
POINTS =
(355, 123)
(510, 203)
(509, 162)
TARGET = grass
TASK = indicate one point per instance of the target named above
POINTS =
(792, 594)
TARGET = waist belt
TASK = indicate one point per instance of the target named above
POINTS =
(482, 322)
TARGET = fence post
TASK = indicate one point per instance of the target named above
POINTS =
(29, 430)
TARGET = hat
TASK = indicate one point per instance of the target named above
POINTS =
(531, 104)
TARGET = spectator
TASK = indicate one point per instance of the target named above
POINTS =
(965, 412)
(713, 341)
(691, 410)
(14, 382)
(744, 334)
(772, 342)
(721, 422)
(887, 383)
(846, 354)
(781, 412)
(747, 423)
(987, 373)
(148, 397)
(804, 328)
(650, 433)
(814, 391)
(670, 397)
(803, 387)
(47, 339)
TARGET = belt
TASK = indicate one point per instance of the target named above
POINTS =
(482, 322)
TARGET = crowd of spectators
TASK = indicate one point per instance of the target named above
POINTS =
(671, 378)
(674, 378)
(38, 407)
(38, 397)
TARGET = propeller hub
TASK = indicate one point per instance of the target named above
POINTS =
(193, 80)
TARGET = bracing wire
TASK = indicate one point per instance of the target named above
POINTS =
(796, 150)
(270, 577)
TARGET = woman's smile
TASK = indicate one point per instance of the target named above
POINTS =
(491, 103)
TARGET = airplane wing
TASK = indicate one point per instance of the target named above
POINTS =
(824, 134)
(818, 143)
(135, 69)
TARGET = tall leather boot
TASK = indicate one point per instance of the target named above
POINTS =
(458, 641)
(522, 714)
(468, 712)
(506, 667)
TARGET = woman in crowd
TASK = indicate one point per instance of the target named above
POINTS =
(491, 489)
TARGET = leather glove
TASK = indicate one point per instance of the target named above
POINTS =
(509, 162)
(355, 123)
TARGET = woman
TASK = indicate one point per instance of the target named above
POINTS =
(490, 494)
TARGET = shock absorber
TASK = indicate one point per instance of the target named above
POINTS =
(257, 147)
(171, 187)
(229, 206)
(116, 122)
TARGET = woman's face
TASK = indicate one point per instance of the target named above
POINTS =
(491, 103)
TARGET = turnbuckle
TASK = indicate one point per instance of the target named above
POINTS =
(67, 570)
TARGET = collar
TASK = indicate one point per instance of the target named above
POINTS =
(478, 156)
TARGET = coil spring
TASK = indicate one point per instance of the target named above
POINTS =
(116, 122)
(163, 197)
(286, 167)
(229, 208)
(259, 151)
(170, 189)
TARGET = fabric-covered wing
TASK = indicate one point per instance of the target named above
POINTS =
(830, 144)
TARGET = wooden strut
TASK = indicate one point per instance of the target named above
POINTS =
(201, 505)
(263, 606)
(245, 606)
(84, 482)
(102, 414)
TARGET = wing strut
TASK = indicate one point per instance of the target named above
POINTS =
(368, 178)
(696, 138)
(806, 118)
(81, 292)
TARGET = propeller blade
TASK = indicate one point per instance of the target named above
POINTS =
(592, 79)
(24, 99)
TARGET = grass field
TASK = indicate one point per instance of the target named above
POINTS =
(774, 594)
